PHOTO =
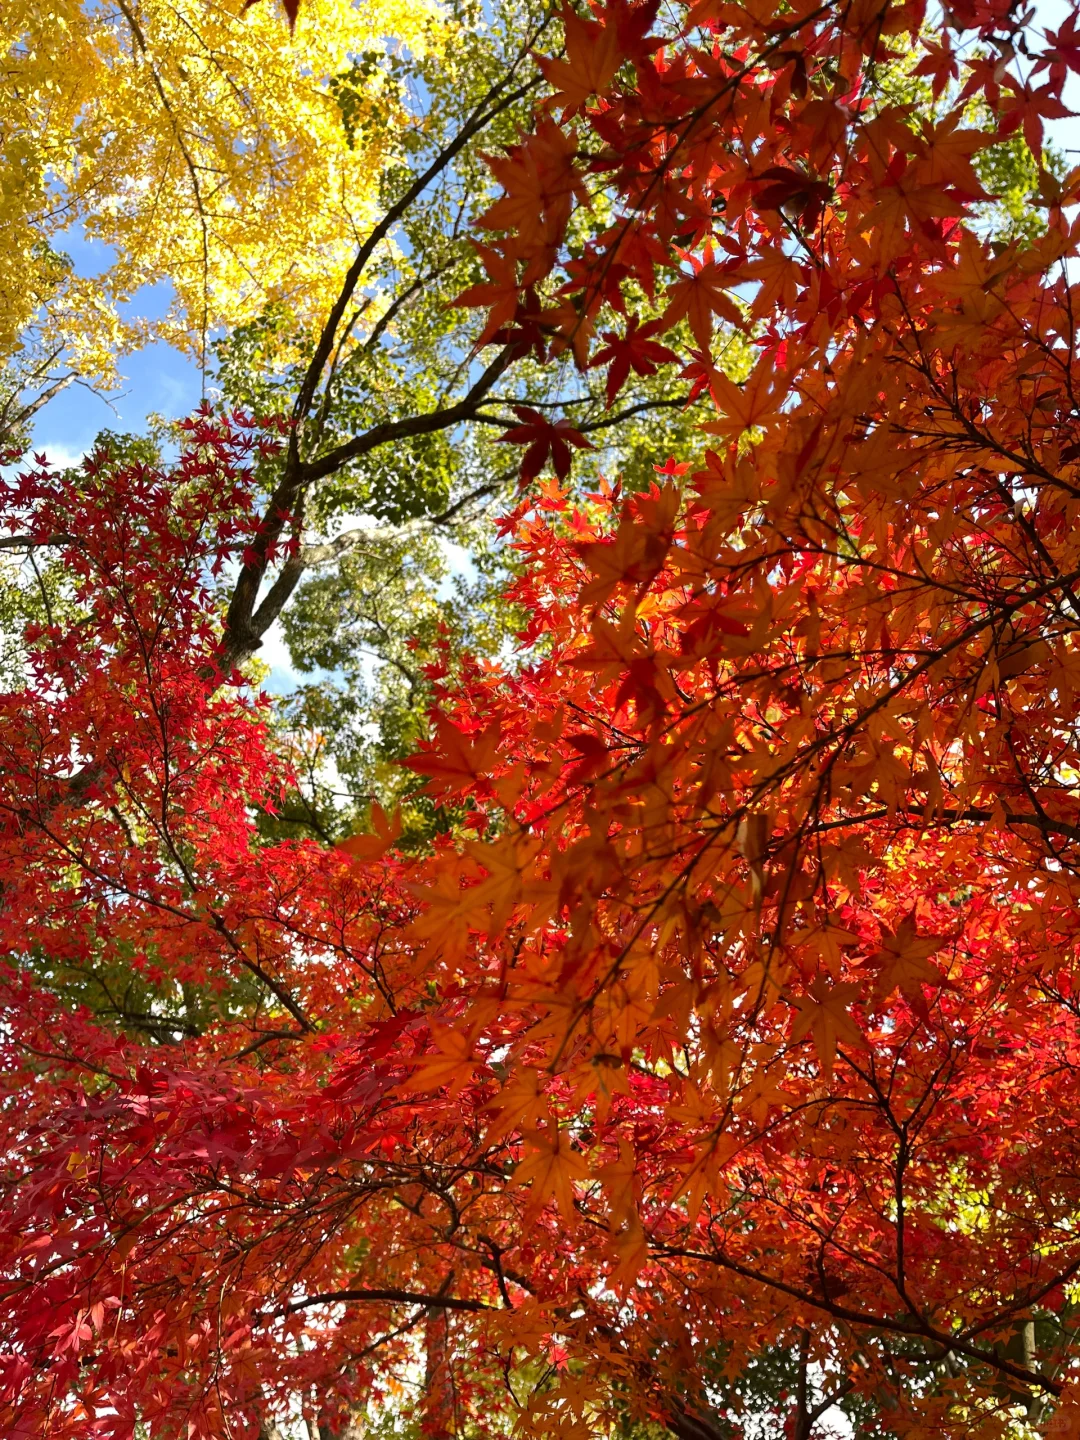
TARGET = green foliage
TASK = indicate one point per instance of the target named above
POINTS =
(31, 593)
(392, 608)
(408, 481)
(1010, 172)
(132, 993)
(122, 448)
(424, 585)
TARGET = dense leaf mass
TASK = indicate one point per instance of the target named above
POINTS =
(738, 1016)
(200, 149)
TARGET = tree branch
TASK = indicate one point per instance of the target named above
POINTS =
(33, 406)
(389, 430)
(481, 117)
(245, 625)
(242, 634)
(27, 542)
(688, 1426)
(1046, 823)
(916, 1328)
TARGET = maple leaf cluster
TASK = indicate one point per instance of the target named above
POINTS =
(741, 1013)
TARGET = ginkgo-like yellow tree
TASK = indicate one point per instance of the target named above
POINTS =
(207, 147)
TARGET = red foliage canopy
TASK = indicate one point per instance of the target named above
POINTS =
(748, 1017)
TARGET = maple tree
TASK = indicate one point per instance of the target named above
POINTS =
(738, 1015)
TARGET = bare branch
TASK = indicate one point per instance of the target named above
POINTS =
(33, 406)
(245, 625)
(482, 116)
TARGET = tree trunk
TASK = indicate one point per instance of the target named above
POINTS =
(439, 1405)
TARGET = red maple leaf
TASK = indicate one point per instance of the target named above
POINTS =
(635, 350)
(543, 438)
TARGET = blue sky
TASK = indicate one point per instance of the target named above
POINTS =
(157, 380)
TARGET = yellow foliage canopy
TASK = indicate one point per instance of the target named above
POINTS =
(206, 146)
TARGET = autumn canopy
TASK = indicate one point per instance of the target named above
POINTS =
(714, 1062)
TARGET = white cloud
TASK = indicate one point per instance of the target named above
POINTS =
(59, 456)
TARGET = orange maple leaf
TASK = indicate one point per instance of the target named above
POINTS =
(453, 761)
(452, 1064)
(639, 549)
(824, 1013)
(540, 179)
(510, 862)
(373, 847)
(903, 963)
(762, 1095)
(746, 407)
(550, 1167)
(499, 292)
(593, 54)
(699, 297)
(779, 278)
(522, 1103)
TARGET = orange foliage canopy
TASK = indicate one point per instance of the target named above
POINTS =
(744, 1014)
